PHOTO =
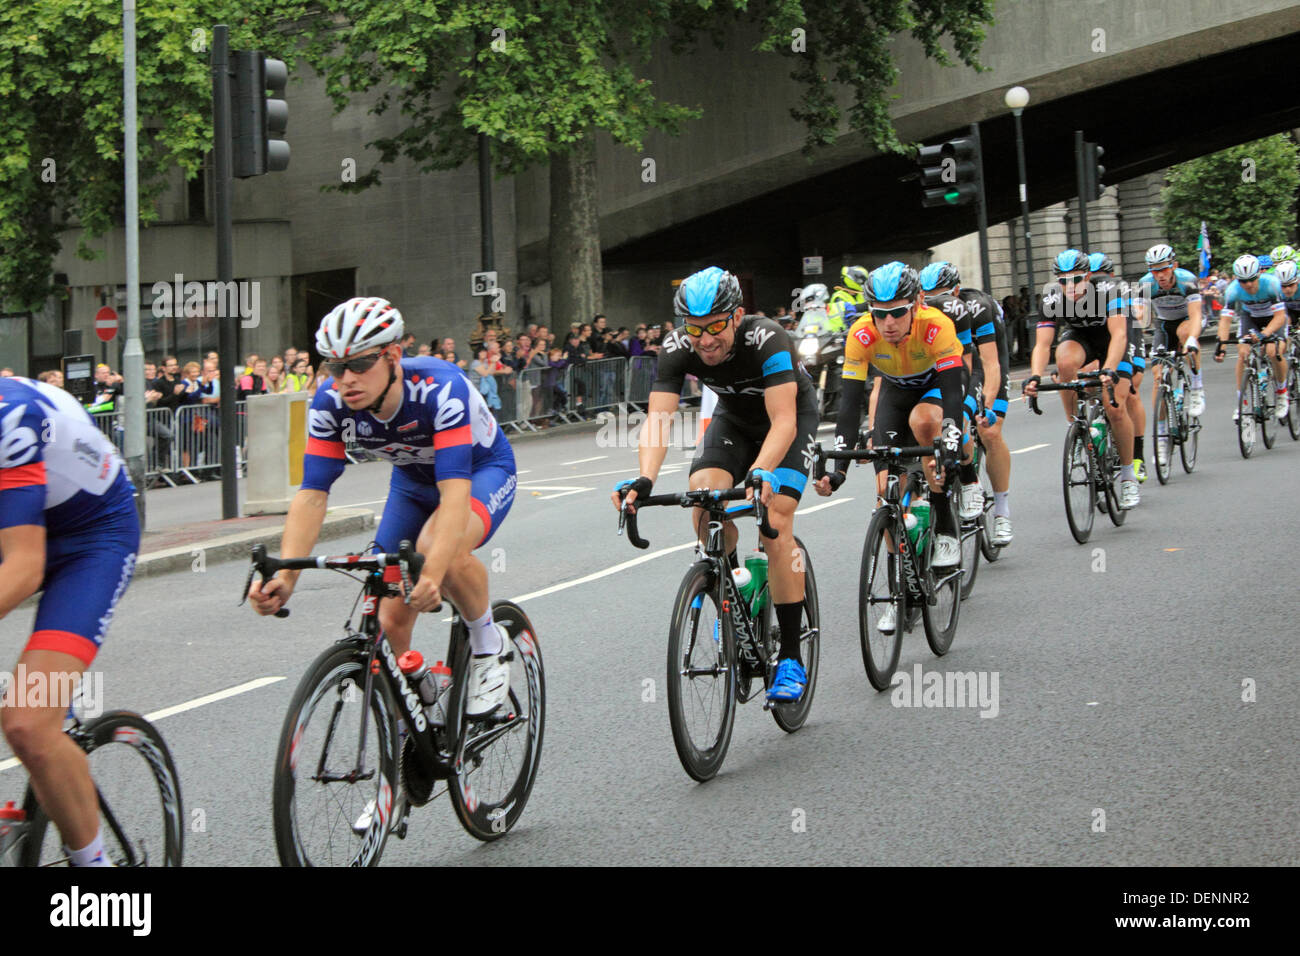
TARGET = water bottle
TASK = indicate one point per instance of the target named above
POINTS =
(756, 565)
(742, 579)
(12, 820)
(1099, 434)
(911, 524)
(426, 682)
(442, 676)
(921, 512)
(1178, 399)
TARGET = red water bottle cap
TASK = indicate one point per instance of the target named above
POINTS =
(10, 812)
(410, 662)
(441, 669)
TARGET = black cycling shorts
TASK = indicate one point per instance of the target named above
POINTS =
(732, 445)
(893, 409)
(1166, 333)
(1096, 343)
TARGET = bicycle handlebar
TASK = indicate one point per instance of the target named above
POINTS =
(407, 559)
(1083, 382)
(890, 453)
(689, 499)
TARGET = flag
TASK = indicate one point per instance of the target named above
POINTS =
(1203, 244)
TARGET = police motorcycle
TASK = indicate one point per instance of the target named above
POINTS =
(819, 340)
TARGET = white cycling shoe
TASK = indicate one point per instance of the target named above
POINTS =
(972, 501)
(889, 620)
(1128, 494)
(1196, 402)
(1283, 407)
(947, 552)
(489, 680)
(1002, 531)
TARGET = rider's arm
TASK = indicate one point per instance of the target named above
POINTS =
(23, 567)
(1117, 325)
(1278, 321)
(992, 371)
(322, 462)
(1042, 347)
(454, 511)
(850, 414)
(302, 527)
(780, 402)
(652, 446)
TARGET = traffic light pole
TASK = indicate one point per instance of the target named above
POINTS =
(1081, 187)
(133, 353)
(981, 208)
(228, 341)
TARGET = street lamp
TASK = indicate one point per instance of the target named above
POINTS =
(1017, 98)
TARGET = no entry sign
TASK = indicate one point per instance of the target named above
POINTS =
(106, 324)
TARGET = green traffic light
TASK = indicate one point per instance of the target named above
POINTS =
(952, 198)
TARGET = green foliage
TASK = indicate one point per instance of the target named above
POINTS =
(1246, 194)
(62, 133)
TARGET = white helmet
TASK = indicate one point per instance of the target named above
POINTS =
(810, 296)
(1285, 271)
(1246, 267)
(358, 324)
(1160, 255)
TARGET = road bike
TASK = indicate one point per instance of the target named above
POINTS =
(1170, 414)
(1091, 470)
(896, 568)
(1257, 406)
(1293, 381)
(344, 776)
(139, 792)
(719, 641)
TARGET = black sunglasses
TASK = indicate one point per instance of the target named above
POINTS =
(358, 366)
(1071, 280)
(896, 313)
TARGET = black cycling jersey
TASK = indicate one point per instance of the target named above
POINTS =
(1103, 298)
(762, 357)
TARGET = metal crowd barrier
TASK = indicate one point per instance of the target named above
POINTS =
(641, 371)
(598, 385)
(179, 444)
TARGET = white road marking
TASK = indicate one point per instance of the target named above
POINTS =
(668, 468)
(597, 575)
(829, 504)
(561, 494)
(187, 705)
(583, 461)
(1019, 451)
(358, 504)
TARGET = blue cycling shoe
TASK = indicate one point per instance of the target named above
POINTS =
(789, 683)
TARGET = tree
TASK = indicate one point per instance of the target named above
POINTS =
(62, 131)
(540, 78)
(1246, 194)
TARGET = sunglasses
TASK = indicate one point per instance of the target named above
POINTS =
(358, 366)
(896, 313)
(1071, 280)
(713, 328)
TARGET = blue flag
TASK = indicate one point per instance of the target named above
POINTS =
(1203, 244)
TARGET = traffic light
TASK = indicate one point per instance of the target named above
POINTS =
(948, 173)
(258, 120)
(1093, 171)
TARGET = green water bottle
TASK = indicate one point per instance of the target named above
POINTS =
(916, 533)
(756, 565)
(1099, 434)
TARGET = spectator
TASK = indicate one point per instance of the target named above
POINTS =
(298, 380)
(107, 388)
(487, 382)
(275, 381)
(6, 372)
(253, 383)
(423, 349)
(449, 352)
(408, 344)
(203, 435)
(277, 363)
(170, 384)
(652, 339)
(636, 344)
(290, 357)
(555, 379)
(160, 397)
(250, 362)
(780, 313)
(668, 327)
(192, 395)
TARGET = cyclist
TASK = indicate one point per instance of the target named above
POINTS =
(452, 483)
(1259, 298)
(1174, 298)
(1286, 279)
(917, 397)
(1279, 255)
(1101, 272)
(982, 332)
(1096, 329)
(764, 425)
(68, 528)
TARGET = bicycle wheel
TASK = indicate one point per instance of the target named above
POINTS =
(129, 762)
(940, 619)
(991, 551)
(1293, 391)
(315, 807)
(1246, 406)
(1190, 429)
(1268, 407)
(790, 717)
(497, 766)
(1109, 477)
(880, 584)
(1162, 445)
(971, 533)
(1079, 481)
(701, 675)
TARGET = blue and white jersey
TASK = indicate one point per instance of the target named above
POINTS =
(57, 468)
(1292, 304)
(1169, 303)
(443, 429)
(1264, 302)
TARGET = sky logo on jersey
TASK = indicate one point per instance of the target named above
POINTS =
(757, 337)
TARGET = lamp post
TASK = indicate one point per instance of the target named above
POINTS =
(1017, 98)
